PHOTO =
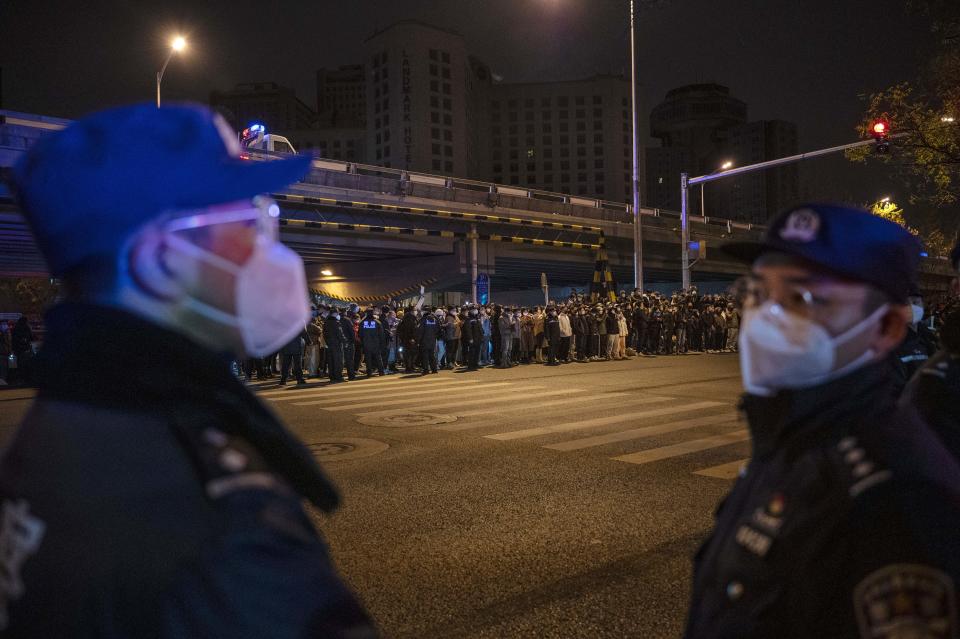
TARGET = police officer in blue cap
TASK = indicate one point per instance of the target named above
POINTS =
(147, 492)
(844, 522)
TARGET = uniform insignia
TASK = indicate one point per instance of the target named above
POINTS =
(20, 536)
(775, 507)
(755, 542)
(906, 600)
(801, 226)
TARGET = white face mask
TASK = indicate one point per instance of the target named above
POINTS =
(781, 350)
(917, 313)
(269, 294)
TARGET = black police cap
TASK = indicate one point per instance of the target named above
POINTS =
(848, 242)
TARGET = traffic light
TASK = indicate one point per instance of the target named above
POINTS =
(880, 131)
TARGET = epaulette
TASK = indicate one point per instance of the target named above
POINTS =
(230, 464)
(857, 469)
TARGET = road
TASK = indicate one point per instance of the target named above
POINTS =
(531, 502)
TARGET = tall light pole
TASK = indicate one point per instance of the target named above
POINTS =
(637, 216)
(703, 204)
(177, 45)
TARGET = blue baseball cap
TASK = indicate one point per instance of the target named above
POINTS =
(86, 189)
(848, 242)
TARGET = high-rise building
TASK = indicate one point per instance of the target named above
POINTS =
(572, 137)
(700, 127)
(419, 83)
(757, 196)
(342, 96)
(275, 106)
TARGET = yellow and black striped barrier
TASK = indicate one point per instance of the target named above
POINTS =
(400, 230)
(369, 299)
(603, 285)
(456, 215)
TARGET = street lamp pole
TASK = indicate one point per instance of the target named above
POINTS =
(637, 215)
(176, 46)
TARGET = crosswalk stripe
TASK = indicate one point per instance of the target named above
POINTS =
(472, 402)
(373, 381)
(603, 421)
(724, 471)
(535, 402)
(380, 397)
(639, 433)
(684, 448)
(337, 407)
(358, 393)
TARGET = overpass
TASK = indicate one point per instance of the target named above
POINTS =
(369, 232)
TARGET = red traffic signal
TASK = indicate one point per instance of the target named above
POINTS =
(879, 128)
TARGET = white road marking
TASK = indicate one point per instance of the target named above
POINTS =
(329, 404)
(724, 471)
(684, 448)
(360, 381)
(431, 408)
(603, 421)
(534, 402)
(640, 433)
(359, 393)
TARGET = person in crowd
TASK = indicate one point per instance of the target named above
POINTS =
(372, 340)
(566, 334)
(390, 322)
(349, 324)
(553, 336)
(836, 526)
(407, 331)
(428, 333)
(486, 328)
(161, 498)
(291, 356)
(506, 324)
(336, 338)
(917, 347)
(471, 336)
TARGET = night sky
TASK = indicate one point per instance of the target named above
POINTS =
(801, 60)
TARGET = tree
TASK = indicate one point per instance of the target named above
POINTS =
(890, 211)
(926, 112)
(29, 295)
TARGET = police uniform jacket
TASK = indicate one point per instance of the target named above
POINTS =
(472, 331)
(934, 393)
(371, 334)
(349, 332)
(159, 500)
(842, 525)
(912, 354)
(429, 332)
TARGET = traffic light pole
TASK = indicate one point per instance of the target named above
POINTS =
(686, 182)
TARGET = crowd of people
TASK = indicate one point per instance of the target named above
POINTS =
(387, 339)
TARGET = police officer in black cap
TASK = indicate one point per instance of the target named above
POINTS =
(335, 337)
(843, 524)
(162, 500)
(934, 392)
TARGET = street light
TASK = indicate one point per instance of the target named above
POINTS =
(326, 272)
(637, 215)
(885, 199)
(703, 185)
(177, 45)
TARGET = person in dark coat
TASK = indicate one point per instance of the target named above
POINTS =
(161, 498)
(349, 325)
(407, 340)
(427, 335)
(471, 336)
(372, 339)
(336, 339)
(552, 332)
(21, 341)
(292, 355)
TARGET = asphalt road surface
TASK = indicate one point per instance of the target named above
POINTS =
(531, 502)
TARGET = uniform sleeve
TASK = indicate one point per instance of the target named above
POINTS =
(903, 564)
(267, 575)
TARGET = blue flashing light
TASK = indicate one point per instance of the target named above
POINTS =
(924, 254)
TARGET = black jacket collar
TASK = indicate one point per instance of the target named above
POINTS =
(798, 413)
(108, 357)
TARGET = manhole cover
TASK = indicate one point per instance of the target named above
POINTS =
(407, 419)
(346, 448)
(326, 449)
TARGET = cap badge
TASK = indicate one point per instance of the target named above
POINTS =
(801, 226)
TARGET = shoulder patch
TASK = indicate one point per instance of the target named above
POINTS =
(230, 464)
(906, 600)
